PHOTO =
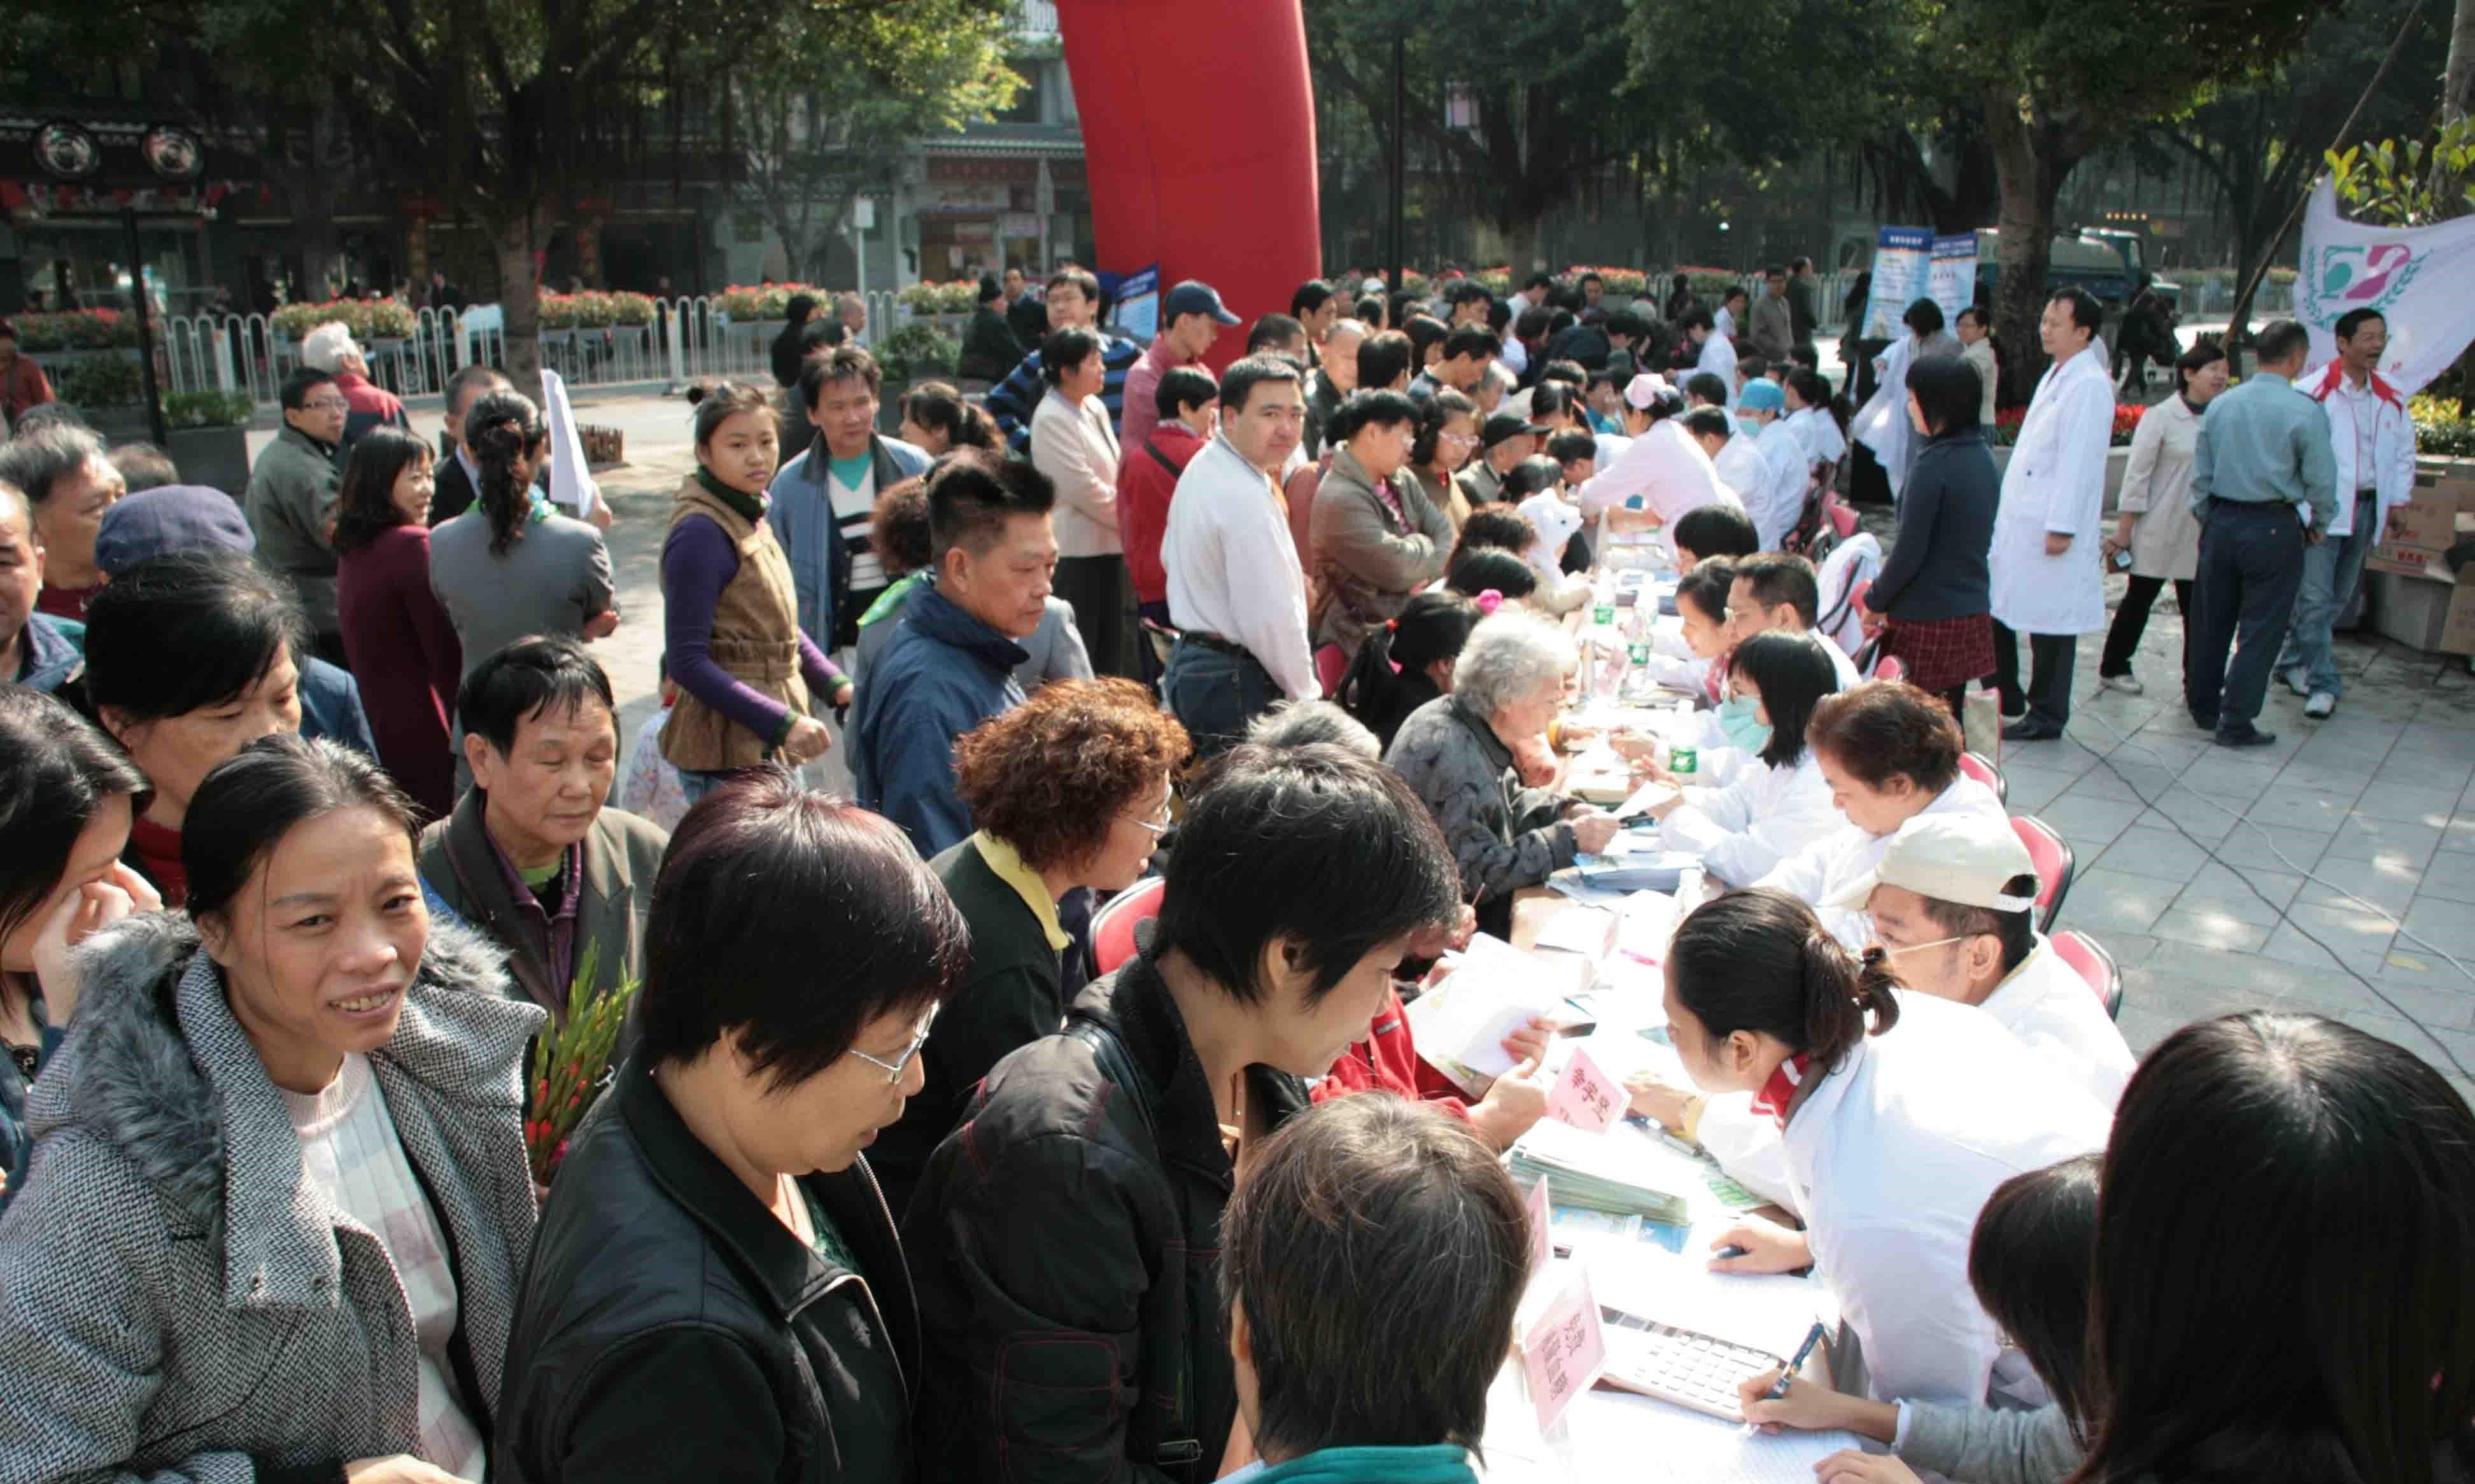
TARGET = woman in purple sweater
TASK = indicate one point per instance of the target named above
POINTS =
(401, 643)
(751, 682)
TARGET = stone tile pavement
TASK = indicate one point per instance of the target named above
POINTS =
(2333, 872)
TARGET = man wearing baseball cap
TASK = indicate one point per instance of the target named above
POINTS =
(1506, 439)
(1191, 316)
(1953, 901)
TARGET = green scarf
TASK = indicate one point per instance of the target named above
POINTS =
(750, 507)
(892, 598)
(1440, 1463)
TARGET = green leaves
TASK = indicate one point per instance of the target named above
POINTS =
(2408, 182)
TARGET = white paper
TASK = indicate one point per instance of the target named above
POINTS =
(1578, 929)
(1647, 925)
(1770, 1314)
(1613, 1435)
(1647, 797)
(1494, 991)
(571, 483)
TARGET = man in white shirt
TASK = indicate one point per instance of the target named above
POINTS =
(1774, 591)
(1714, 351)
(1731, 309)
(1778, 498)
(1235, 592)
(1953, 901)
(2373, 440)
(1739, 463)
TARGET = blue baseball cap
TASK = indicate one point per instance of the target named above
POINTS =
(1195, 297)
(174, 517)
(1761, 395)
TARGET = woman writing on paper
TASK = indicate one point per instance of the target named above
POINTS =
(1780, 803)
(2030, 1265)
(1899, 1115)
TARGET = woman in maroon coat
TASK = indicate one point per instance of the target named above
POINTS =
(400, 645)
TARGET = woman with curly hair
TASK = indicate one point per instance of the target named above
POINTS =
(1070, 789)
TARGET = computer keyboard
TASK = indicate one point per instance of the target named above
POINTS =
(1676, 1365)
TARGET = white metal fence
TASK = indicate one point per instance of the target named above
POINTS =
(688, 338)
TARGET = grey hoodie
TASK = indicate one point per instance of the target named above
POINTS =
(176, 1301)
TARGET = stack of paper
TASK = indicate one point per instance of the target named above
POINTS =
(1591, 1172)
(1494, 990)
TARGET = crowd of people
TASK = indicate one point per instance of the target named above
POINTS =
(911, 1159)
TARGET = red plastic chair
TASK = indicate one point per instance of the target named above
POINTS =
(2051, 855)
(1112, 927)
(2094, 965)
(1975, 766)
(1889, 667)
(1330, 664)
(1843, 519)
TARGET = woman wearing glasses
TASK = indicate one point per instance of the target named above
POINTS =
(717, 1290)
(1070, 789)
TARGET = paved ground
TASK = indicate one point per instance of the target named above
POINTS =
(2218, 880)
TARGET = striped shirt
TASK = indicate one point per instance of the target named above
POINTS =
(351, 1154)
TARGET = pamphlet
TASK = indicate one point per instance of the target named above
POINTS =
(1495, 989)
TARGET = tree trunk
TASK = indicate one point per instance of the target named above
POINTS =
(2458, 84)
(520, 300)
(1521, 248)
(2030, 185)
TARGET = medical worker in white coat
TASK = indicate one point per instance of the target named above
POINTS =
(1778, 804)
(1899, 1114)
(2047, 567)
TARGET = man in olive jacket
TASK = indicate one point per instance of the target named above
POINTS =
(531, 856)
(291, 502)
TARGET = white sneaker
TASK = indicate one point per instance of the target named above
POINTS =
(2128, 684)
(2318, 707)
(2297, 679)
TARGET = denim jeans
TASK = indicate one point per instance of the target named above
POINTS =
(2251, 561)
(2331, 571)
(1213, 693)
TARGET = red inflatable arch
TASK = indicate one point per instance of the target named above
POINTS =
(1199, 136)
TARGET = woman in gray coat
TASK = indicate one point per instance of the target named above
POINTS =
(277, 1200)
(1456, 751)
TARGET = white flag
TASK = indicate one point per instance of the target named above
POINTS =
(2416, 277)
(571, 487)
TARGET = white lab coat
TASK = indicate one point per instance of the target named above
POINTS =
(1788, 477)
(1719, 358)
(2055, 484)
(1893, 1154)
(1666, 468)
(1743, 470)
(2052, 1010)
(1882, 423)
(1830, 865)
(2392, 471)
(1744, 829)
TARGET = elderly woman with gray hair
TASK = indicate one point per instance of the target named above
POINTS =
(1456, 752)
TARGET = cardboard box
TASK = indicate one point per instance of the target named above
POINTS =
(2409, 561)
(2424, 614)
(2431, 518)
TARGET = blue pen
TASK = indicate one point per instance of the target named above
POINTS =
(1803, 1352)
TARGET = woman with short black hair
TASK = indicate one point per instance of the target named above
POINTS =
(718, 1291)
(2284, 1262)
(1898, 1113)
(190, 658)
(66, 800)
(1066, 1236)
(1933, 592)
(1781, 803)
(1372, 1263)
(398, 637)
(1408, 662)
(279, 1198)
(1075, 445)
(1448, 425)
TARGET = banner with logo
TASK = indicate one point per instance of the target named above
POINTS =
(1911, 263)
(2416, 276)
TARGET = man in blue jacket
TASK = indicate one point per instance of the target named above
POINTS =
(950, 663)
(823, 501)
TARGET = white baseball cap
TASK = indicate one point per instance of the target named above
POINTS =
(1965, 859)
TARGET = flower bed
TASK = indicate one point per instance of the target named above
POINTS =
(76, 329)
(2126, 422)
(2439, 430)
(368, 319)
(957, 296)
(1616, 280)
(767, 301)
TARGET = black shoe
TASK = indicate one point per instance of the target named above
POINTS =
(2204, 724)
(2030, 729)
(2243, 735)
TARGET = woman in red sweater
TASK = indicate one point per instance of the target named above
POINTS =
(401, 643)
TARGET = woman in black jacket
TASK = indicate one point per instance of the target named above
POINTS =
(1065, 1238)
(1933, 592)
(717, 1291)
(1071, 792)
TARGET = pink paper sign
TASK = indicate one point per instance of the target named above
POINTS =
(1563, 1353)
(1585, 1096)
(1541, 1246)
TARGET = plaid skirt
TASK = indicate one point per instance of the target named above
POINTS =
(1942, 654)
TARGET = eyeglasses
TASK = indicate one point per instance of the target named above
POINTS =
(327, 405)
(1464, 440)
(1889, 952)
(1157, 821)
(894, 1069)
